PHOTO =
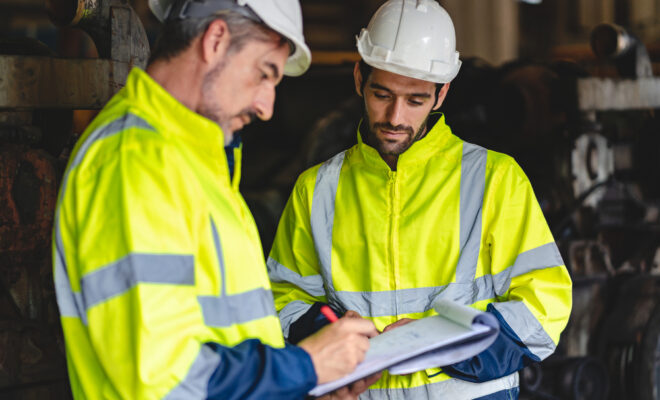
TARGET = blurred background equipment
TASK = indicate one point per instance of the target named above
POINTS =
(570, 88)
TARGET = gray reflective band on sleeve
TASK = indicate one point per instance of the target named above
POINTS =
(71, 303)
(447, 389)
(545, 256)
(195, 385)
(323, 211)
(473, 183)
(312, 284)
(119, 277)
(290, 314)
(527, 327)
(224, 311)
(221, 260)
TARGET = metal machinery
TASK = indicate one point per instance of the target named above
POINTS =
(38, 93)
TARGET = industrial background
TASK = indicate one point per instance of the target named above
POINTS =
(567, 87)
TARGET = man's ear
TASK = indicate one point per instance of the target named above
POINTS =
(215, 42)
(441, 96)
(357, 76)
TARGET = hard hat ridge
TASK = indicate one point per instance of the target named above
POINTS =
(282, 16)
(413, 38)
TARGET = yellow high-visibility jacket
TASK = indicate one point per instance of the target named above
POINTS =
(158, 266)
(454, 221)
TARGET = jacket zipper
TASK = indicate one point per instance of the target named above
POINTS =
(393, 233)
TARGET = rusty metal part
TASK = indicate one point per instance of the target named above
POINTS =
(112, 24)
(29, 82)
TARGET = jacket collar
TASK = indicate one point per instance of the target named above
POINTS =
(435, 140)
(172, 118)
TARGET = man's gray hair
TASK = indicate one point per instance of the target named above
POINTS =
(177, 35)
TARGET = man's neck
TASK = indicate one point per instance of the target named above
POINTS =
(181, 77)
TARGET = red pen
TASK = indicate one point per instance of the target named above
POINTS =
(329, 314)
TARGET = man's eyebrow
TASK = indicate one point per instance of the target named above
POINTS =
(381, 87)
(276, 71)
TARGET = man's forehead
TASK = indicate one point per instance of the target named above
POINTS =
(398, 82)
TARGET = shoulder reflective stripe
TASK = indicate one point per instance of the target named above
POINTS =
(323, 211)
(473, 183)
(290, 314)
(447, 389)
(312, 284)
(221, 260)
(69, 302)
(195, 384)
(527, 327)
(117, 278)
(120, 124)
(224, 311)
(545, 256)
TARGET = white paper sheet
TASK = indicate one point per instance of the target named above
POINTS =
(425, 343)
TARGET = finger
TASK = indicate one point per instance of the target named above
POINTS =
(352, 314)
(362, 326)
(398, 323)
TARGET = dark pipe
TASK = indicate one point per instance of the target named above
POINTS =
(613, 42)
(92, 16)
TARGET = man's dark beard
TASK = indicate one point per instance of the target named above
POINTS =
(370, 138)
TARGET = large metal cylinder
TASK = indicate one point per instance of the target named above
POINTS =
(92, 16)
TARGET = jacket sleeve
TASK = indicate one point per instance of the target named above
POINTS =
(126, 252)
(531, 284)
(293, 265)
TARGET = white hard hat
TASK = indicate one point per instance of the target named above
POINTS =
(282, 16)
(414, 38)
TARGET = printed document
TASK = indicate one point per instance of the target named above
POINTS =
(457, 333)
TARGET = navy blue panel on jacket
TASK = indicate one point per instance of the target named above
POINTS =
(505, 356)
(308, 323)
(507, 394)
(229, 151)
(252, 370)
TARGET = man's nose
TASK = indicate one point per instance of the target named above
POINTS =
(264, 101)
(395, 112)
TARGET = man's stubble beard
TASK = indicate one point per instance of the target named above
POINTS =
(208, 106)
(370, 138)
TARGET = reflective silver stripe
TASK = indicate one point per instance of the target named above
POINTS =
(127, 121)
(323, 212)
(238, 308)
(312, 284)
(454, 389)
(473, 183)
(545, 256)
(117, 278)
(415, 300)
(69, 302)
(195, 384)
(221, 259)
(226, 310)
(290, 314)
(527, 327)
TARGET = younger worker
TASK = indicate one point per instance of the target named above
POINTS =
(412, 213)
